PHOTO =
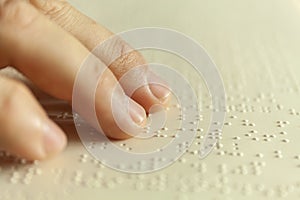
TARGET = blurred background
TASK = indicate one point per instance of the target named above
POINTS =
(255, 45)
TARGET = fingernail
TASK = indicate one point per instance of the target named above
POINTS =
(137, 112)
(158, 88)
(54, 138)
(160, 92)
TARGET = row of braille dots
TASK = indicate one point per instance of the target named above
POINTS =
(141, 165)
(265, 137)
(251, 108)
(61, 116)
(197, 184)
(255, 168)
(84, 158)
(163, 132)
(103, 146)
(153, 163)
(16, 176)
(282, 124)
(243, 108)
(154, 183)
(96, 180)
(279, 154)
(281, 191)
(197, 165)
(7, 157)
(192, 184)
(236, 152)
(258, 98)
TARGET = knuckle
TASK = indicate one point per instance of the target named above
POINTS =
(128, 61)
(59, 11)
(54, 8)
(16, 13)
(127, 57)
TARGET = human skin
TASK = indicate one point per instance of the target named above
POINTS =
(47, 41)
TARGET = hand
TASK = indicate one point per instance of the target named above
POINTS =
(47, 41)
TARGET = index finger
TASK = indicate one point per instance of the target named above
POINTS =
(92, 34)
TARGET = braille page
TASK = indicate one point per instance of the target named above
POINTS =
(255, 45)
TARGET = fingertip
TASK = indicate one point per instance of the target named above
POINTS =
(54, 139)
(156, 92)
(137, 112)
(162, 93)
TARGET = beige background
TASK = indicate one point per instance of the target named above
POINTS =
(256, 45)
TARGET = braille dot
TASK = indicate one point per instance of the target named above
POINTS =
(38, 171)
(260, 155)
(260, 187)
(286, 140)
(128, 149)
(233, 154)
(14, 180)
(283, 133)
(84, 155)
(257, 172)
(269, 193)
(253, 131)
(279, 156)
(219, 145)
(240, 154)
